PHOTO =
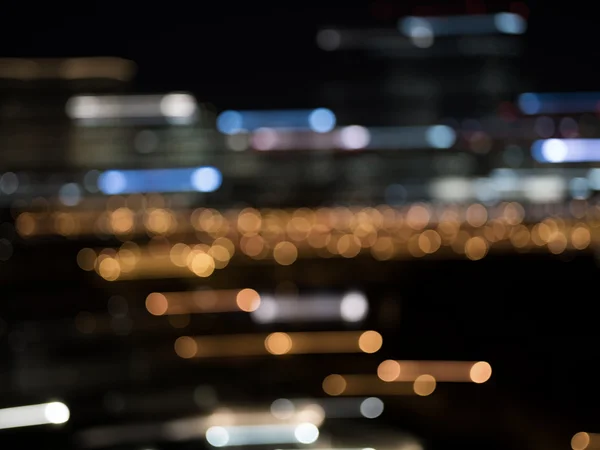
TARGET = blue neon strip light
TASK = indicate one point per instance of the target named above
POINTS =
(320, 120)
(189, 179)
(556, 151)
(559, 103)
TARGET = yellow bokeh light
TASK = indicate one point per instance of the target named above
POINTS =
(122, 220)
(157, 304)
(278, 343)
(186, 347)
(429, 241)
(388, 370)
(370, 341)
(179, 254)
(580, 441)
(285, 253)
(248, 300)
(25, 224)
(424, 385)
(109, 269)
(476, 215)
(557, 243)
(202, 265)
(476, 248)
(334, 385)
(86, 259)
(418, 217)
(220, 255)
(480, 372)
(581, 237)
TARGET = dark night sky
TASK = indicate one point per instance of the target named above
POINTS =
(224, 50)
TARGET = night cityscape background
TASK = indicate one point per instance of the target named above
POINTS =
(362, 226)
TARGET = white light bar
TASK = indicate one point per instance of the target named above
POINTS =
(32, 415)
(502, 184)
(175, 107)
(350, 307)
(305, 433)
(248, 423)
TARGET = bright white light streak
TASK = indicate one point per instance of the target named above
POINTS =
(557, 151)
(304, 433)
(350, 307)
(32, 415)
(176, 107)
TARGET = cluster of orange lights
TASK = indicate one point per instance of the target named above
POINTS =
(198, 243)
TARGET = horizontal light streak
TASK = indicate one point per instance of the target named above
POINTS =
(349, 307)
(557, 151)
(331, 408)
(110, 68)
(365, 384)
(467, 25)
(278, 344)
(355, 137)
(228, 436)
(32, 415)
(193, 427)
(533, 103)
(320, 120)
(197, 302)
(445, 371)
(187, 179)
(96, 109)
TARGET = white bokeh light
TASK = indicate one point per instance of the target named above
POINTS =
(57, 412)
(371, 407)
(283, 409)
(554, 150)
(112, 182)
(306, 433)
(70, 194)
(178, 106)
(217, 436)
(267, 311)
(355, 137)
(206, 179)
(354, 307)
